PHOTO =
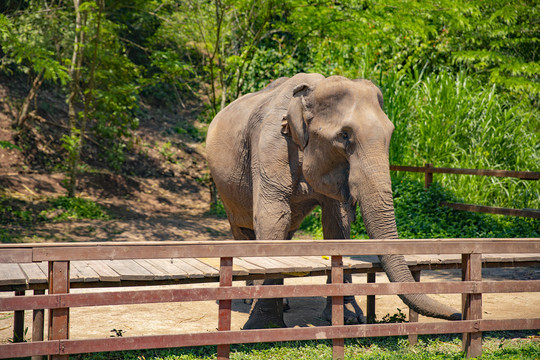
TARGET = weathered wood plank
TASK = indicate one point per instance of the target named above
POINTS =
(74, 274)
(191, 271)
(319, 263)
(34, 274)
(207, 270)
(224, 312)
(309, 263)
(10, 255)
(104, 271)
(169, 267)
(269, 265)
(252, 268)
(159, 273)
(362, 262)
(509, 257)
(215, 262)
(129, 270)
(88, 274)
(281, 248)
(11, 274)
(256, 292)
(44, 266)
(294, 262)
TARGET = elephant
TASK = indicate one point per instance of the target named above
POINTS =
(309, 140)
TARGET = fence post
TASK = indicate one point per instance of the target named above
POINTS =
(59, 318)
(472, 303)
(224, 320)
(413, 315)
(428, 178)
(338, 345)
(18, 321)
(370, 300)
(38, 321)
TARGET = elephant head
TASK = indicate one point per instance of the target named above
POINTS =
(344, 134)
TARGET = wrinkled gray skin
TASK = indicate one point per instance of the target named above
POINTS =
(301, 142)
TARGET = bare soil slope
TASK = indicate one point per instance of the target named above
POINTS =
(160, 193)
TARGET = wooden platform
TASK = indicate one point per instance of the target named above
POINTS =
(110, 273)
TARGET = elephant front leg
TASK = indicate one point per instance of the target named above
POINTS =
(352, 313)
(286, 305)
(272, 221)
(267, 313)
(336, 222)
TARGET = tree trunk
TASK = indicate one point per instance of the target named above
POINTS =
(74, 73)
(36, 84)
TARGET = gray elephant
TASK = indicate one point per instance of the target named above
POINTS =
(305, 141)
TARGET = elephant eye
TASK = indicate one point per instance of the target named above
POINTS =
(344, 135)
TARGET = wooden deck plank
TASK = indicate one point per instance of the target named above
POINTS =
(250, 267)
(11, 274)
(44, 266)
(319, 263)
(207, 270)
(509, 257)
(167, 266)
(215, 263)
(420, 259)
(33, 273)
(361, 262)
(159, 273)
(191, 271)
(105, 273)
(88, 274)
(74, 274)
(129, 270)
(296, 263)
(446, 259)
(270, 266)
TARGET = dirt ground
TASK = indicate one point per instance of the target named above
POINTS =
(176, 318)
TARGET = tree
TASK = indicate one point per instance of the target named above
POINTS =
(28, 41)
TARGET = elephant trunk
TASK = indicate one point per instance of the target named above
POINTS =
(370, 186)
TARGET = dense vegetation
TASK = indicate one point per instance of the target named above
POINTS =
(419, 215)
(460, 78)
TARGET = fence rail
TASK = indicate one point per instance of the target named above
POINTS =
(429, 170)
(59, 300)
(525, 175)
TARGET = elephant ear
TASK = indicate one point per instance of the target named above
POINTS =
(296, 122)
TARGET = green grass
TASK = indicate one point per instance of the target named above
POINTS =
(67, 208)
(496, 345)
(26, 213)
(23, 212)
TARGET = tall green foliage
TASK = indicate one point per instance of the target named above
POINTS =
(88, 59)
(501, 40)
(460, 78)
(454, 120)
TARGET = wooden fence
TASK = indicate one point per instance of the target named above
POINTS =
(59, 301)
(429, 170)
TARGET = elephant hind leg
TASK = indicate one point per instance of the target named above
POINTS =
(242, 233)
